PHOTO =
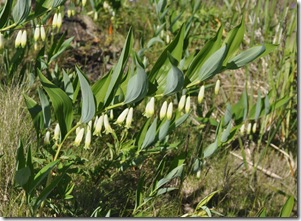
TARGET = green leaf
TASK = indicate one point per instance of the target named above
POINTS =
(228, 114)
(174, 81)
(61, 103)
(204, 201)
(175, 48)
(58, 48)
(21, 10)
(266, 105)
(5, 13)
(287, 208)
(35, 111)
(150, 135)
(57, 3)
(262, 213)
(47, 190)
(88, 101)
(226, 133)
(20, 161)
(212, 65)
(245, 57)
(164, 130)
(68, 87)
(176, 172)
(210, 47)
(165, 190)
(210, 149)
(22, 176)
(42, 174)
(137, 87)
(45, 108)
(258, 106)
(118, 70)
(142, 133)
(153, 41)
(99, 89)
(234, 39)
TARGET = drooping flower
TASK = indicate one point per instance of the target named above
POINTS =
(217, 86)
(249, 128)
(98, 126)
(163, 110)
(201, 94)
(242, 129)
(187, 105)
(169, 111)
(182, 103)
(24, 39)
(254, 127)
(59, 20)
(84, 2)
(122, 116)
(150, 108)
(54, 20)
(129, 118)
(88, 135)
(47, 138)
(57, 132)
(36, 35)
(18, 39)
(79, 136)
(107, 125)
(42, 33)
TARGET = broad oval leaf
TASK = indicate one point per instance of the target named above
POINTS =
(150, 135)
(174, 81)
(21, 10)
(61, 103)
(45, 108)
(213, 64)
(246, 57)
(22, 176)
(137, 87)
(88, 101)
(164, 130)
(210, 149)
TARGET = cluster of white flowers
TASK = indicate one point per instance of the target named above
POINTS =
(21, 39)
(57, 20)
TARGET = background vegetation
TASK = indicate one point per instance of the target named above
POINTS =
(189, 172)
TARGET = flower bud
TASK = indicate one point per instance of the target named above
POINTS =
(54, 20)
(84, 2)
(98, 126)
(95, 122)
(88, 136)
(57, 132)
(18, 39)
(72, 12)
(69, 13)
(201, 94)
(217, 86)
(167, 38)
(129, 118)
(182, 102)
(24, 39)
(1, 41)
(79, 136)
(95, 16)
(163, 110)
(59, 20)
(254, 127)
(107, 125)
(150, 108)
(106, 6)
(36, 35)
(169, 111)
(242, 129)
(111, 114)
(42, 33)
(249, 128)
(47, 138)
(122, 116)
(187, 105)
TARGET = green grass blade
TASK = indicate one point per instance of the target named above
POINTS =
(287, 208)
(5, 13)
